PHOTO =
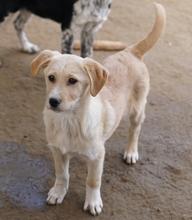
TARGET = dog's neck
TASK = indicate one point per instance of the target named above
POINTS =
(75, 128)
(86, 113)
(87, 110)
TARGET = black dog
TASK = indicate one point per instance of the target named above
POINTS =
(75, 16)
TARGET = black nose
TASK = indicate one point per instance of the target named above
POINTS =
(54, 102)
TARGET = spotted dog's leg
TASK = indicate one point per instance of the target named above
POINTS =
(87, 38)
(20, 23)
(67, 39)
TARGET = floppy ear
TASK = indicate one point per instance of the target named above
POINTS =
(97, 74)
(41, 61)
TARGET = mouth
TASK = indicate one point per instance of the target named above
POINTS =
(54, 109)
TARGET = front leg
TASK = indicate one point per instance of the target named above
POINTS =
(93, 200)
(20, 23)
(67, 39)
(59, 190)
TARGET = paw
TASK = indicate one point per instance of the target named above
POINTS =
(95, 207)
(93, 201)
(56, 195)
(131, 158)
(30, 48)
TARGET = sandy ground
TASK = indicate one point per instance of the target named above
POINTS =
(159, 185)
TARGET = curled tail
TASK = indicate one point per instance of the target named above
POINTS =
(151, 39)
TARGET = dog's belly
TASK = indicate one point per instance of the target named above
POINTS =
(91, 13)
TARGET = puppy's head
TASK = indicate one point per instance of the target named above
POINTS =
(69, 78)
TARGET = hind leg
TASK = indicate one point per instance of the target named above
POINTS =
(131, 155)
(20, 23)
(87, 38)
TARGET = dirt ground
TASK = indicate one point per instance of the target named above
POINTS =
(159, 185)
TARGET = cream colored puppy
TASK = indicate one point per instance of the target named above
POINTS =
(84, 105)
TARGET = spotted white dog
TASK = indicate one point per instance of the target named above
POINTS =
(75, 16)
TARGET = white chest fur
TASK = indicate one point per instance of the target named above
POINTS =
(75, 133)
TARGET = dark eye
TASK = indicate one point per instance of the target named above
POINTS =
(51, 78)
(72, 81)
